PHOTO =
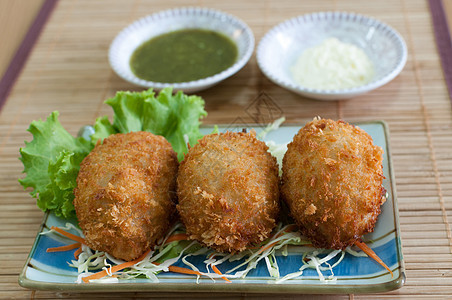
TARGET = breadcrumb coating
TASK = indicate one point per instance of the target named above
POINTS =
(332, 182)
(228, 188)
(125, 195)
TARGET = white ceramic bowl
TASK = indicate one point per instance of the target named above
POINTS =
(282, 45)
(159, 23)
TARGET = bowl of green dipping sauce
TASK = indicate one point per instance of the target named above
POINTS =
(189, 49)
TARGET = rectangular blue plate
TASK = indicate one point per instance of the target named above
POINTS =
(50, 271)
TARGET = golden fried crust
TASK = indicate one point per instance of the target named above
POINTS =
(228, 190)
(125, 193)
(332, 182)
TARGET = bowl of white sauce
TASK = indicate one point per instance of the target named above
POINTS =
(331, 55)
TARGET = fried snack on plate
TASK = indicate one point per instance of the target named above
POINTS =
(125, 195)
(332, 182)
(228, 190)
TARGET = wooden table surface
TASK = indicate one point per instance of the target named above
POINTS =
(68, 71)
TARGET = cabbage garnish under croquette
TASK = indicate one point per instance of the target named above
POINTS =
(332, 182)
(125, 194)
(228, 189)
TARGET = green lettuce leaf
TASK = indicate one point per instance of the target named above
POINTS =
(172, 116)
(52, 161)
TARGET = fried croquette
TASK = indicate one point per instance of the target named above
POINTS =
(125, 195)
(332, 182)
(228, 189)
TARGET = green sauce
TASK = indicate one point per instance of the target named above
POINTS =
(183, 55)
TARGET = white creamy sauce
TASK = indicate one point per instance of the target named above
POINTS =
(333, 65)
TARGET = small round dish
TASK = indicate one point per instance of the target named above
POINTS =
(281, 46)
(144, 29)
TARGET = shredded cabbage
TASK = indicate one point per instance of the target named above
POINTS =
(277, 150)
(180, 251)
(271, 127)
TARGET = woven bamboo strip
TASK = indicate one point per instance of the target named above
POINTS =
(68, 71)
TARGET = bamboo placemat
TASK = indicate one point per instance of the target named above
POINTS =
(68, 71)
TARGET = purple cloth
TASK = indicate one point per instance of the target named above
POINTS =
(443, 40)
(19, 59)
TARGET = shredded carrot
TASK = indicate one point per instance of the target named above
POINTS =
(64, 248)
(69, 235)
(266, 247)
(187, 271)
(177, 237)
(181, 270)
(116, 268)
(77, 253)
(288, 229)
(372, 254)
(215, 269)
